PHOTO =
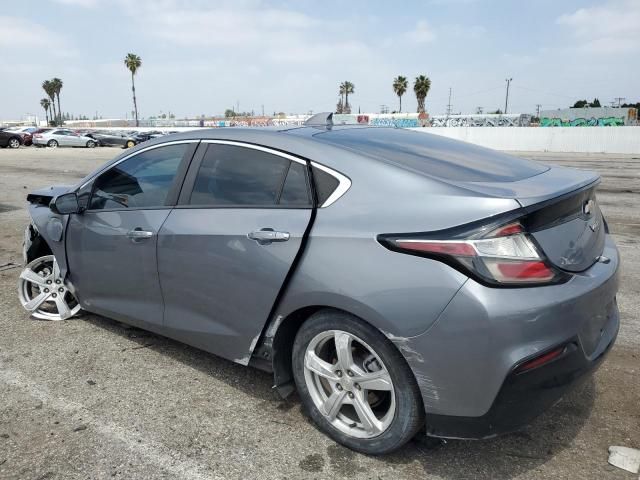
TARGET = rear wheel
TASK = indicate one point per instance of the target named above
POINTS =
(355, 384)
(14, 143)
(91, 144)
(130, 144)
(52, 144)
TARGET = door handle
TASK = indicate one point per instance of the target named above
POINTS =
(265, 236)
(139, 234)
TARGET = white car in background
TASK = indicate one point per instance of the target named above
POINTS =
(61, 137)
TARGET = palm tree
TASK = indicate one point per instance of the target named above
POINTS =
(57, 87)
(133, 62)
(45, 103)
(47, 86)
(421, 88)
(400, 85)
(346, 88)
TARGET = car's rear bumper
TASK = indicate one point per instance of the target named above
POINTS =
(464, 362)
(525, 395)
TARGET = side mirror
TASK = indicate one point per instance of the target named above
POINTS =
(65, 204)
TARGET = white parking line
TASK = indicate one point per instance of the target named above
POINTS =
(157, 454)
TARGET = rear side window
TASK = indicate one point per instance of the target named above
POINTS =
(141, 181)
(231, 175)
(325, 184)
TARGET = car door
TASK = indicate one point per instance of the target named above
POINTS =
(225, 250)
(111, 246)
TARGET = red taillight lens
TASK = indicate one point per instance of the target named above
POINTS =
(541, 360)
(504, 256)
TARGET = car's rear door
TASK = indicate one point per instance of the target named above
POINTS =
(225, 250)
(111, 246)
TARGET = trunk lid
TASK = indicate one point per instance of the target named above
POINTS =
(562, 213)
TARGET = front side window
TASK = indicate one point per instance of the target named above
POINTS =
(231, 175)
(142, 181)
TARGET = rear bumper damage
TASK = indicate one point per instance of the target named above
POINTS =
(526, 395)
(466, 363)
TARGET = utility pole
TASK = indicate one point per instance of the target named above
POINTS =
(262, 110)
(538, 105)
(237, 106)
(619, 100)
(506, 99)
(449, 104)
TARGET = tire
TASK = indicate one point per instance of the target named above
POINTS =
(14, 142)
(399, 412)
(130, 144)
(52, 144)
(91, 144)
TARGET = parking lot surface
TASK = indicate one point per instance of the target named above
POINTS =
(92, 398)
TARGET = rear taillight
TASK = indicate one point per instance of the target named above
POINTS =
(37, 135)
(504, 256)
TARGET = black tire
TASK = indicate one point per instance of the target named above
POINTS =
(91, 144)
(130, 144)
(52, 144)
(14, 142)
(409, 414)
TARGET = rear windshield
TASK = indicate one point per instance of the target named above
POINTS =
(433, 155)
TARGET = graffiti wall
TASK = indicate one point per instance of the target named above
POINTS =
(589, 117)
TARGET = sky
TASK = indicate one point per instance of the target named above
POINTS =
(202, 57)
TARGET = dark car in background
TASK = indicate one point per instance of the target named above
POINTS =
(10, 138)
(106, 138)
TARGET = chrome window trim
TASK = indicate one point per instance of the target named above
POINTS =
(127, 157)
(344, 183)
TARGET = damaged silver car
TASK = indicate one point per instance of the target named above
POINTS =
(398, 280)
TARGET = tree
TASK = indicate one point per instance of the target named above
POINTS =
(421, 87)
(229, 113)
(339, 106)
(47, 86)
(595, 103)
(400, 85)
(346, 88)
(45, 103)
(580, 104)
(133, 62)
(57, 87)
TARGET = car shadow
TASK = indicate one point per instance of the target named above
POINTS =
(503, 457)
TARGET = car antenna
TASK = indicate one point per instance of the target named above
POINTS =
(324, 119)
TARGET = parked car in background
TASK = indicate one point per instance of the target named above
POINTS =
(10, 138)
(25, 133)
(399, 280)
(60, 137)
(106, 138)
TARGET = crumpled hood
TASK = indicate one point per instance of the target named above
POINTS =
(45, 195)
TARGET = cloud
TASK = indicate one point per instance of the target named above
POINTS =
(20, 33)
(605, 29)
(421, 34)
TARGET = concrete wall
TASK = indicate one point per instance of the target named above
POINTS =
(549, 139)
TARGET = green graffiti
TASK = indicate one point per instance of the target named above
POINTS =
(582, 122)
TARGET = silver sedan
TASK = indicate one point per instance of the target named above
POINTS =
(61, 137)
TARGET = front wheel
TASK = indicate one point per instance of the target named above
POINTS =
(355, 384)
(52, 144)
(14, 143)
(91, 144)
(44, 293)
(130, 144)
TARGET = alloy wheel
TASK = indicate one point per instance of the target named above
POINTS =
(349, 384)
(43, 293)
(52, 144)
(14, 143)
